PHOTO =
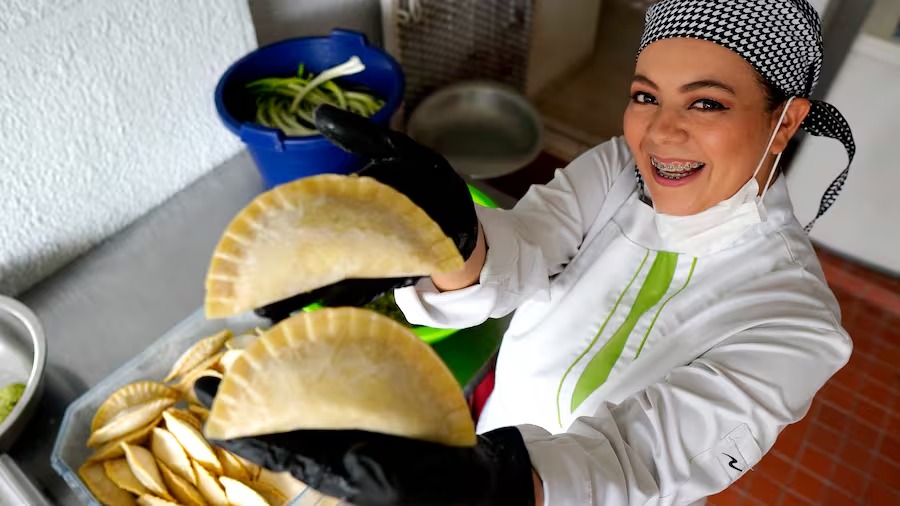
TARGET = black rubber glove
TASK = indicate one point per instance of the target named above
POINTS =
(410, 168)
(372, 469)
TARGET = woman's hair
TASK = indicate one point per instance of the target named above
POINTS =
(774, 96)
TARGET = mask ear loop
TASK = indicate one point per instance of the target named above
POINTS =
(768, 147)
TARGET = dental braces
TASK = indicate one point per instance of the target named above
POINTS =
(676, 166)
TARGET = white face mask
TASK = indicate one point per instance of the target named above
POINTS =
(722, 224)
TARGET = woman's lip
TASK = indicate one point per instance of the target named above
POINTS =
(674, 160)
(664, 181)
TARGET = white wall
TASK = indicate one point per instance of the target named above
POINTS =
(865, 221)
(106, 109)
(883, 18)
(821, 5)
(562, 38)
(281, 19)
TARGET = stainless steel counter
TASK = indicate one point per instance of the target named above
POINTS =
(110, 304)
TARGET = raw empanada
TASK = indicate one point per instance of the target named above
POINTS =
(341, 368)
(319, 230)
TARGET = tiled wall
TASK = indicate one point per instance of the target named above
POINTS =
(847, 449)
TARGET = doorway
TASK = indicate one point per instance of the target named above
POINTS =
(584, 107)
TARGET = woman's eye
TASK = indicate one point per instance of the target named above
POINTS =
(705, 104)
(643, 98)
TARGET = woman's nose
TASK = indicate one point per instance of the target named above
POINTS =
(667, 127)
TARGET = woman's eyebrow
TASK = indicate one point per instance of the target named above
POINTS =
(692, 86)
(707, 83)
(641, 78)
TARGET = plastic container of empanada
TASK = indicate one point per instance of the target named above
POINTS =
(70, 451)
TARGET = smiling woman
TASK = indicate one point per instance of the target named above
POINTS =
(699, 123)
(671, 316)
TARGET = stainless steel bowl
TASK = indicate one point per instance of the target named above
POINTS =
(23, 355)
(484, 129)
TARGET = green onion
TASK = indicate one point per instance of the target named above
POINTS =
(287, 103)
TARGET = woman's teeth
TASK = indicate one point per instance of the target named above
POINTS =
(676, 170)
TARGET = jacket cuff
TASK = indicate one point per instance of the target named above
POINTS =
(565, 479)
(495, 295)
(424, 304)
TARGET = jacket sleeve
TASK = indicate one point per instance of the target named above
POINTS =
(526, 245)
(702, 427)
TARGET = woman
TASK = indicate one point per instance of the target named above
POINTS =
(671, 320)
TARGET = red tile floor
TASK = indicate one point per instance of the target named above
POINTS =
(847, 449)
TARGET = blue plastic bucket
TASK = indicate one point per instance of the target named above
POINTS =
(282, 158)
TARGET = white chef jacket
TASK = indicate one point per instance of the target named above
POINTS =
(638, 375)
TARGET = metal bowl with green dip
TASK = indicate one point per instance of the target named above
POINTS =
(23, 355)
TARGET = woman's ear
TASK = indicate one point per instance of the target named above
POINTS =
(796, 113)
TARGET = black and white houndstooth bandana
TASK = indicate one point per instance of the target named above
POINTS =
(782, 39)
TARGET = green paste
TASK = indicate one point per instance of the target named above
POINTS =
(9, 396)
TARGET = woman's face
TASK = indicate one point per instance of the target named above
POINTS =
(698, 124)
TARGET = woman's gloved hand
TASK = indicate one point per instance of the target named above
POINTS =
(372, 469)
(421, 174)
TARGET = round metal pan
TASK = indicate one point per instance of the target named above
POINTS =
(484, 129)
